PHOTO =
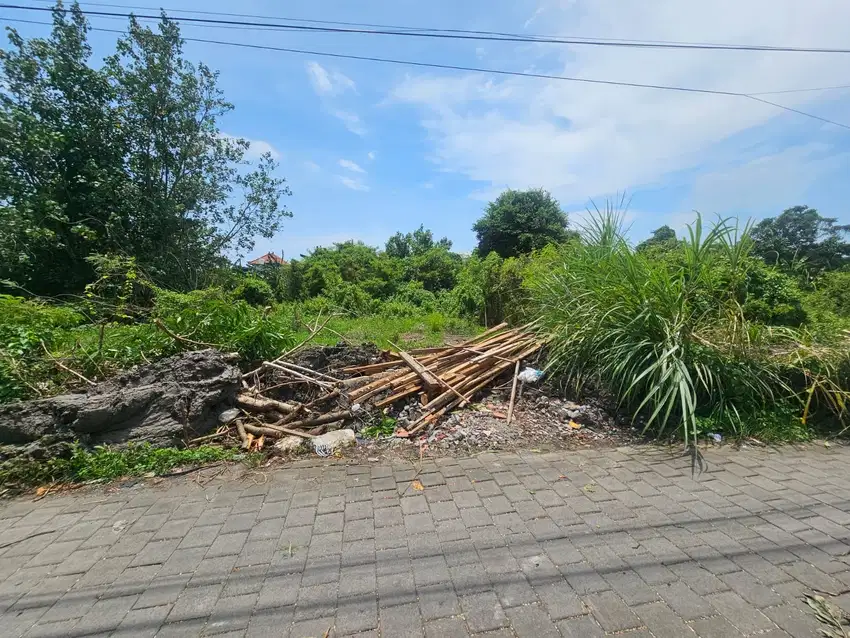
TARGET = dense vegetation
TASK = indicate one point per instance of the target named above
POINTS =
(121, 201)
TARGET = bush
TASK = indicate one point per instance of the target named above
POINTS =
(210, 317)
(24, 327)
(669, 337)
(254, 291)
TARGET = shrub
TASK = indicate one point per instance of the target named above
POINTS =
(210, 317)
(670, 338)
(24, 326)
(254, 291)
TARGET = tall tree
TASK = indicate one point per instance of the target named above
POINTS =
(801, 236)
(127, 158)
(663, 237)
(520, 222)
(418, 242)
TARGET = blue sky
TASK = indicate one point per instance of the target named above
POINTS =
(369, 148)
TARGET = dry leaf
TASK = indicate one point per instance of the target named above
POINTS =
(574, 425)
(417, 485)
(499, 415)
(42, 491)
(401, 433)
(590, 487)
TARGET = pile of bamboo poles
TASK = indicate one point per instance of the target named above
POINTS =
(443, 378)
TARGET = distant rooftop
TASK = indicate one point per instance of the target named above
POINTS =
(268, 258)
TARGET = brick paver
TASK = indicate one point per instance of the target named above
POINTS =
(587, 543)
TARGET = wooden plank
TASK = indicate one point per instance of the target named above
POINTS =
(429, 380)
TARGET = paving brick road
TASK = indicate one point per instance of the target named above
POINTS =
(573, 544)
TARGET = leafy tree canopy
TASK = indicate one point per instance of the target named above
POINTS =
(126, 158)
(519, 222)
(801, 237)
(418, 242)
(664, 237)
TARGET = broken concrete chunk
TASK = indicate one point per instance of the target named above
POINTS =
(332, 441)
(289, 444)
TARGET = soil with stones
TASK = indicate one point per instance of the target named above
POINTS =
(162, 403)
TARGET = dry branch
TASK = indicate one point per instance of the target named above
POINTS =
(256, 404)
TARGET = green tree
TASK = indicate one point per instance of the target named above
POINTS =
(418, 242)
(125, 159)
(663, 238)
(519, 222)
(800, 236)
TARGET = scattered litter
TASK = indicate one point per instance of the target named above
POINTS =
(229, 416)
(416, 484)
(323, 450)
(573, 425)
(119, 526)
(530, 375)
(717, 438)
(590, 487)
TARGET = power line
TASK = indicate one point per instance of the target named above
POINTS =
(453, 67)
(819, 88)
(454, 36)
(522, 37)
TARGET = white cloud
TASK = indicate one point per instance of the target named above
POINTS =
(328, 82)
(352, 122)
(585, 140)
(353, 183)
(352, 166)
(312, 166)
(371, 155)
(533, 17)
(256, 148)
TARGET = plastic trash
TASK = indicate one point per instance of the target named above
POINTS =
(717, 438)
(530, 375)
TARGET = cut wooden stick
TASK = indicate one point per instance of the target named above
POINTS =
(427, 377)
(308, 371)
(513, 394)
(292, 351)
(298, 375)
(331, 417)
(261, 404)
(240, 430)
(275, 433)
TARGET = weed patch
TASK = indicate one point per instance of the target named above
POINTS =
(106, 464)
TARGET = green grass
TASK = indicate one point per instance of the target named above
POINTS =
(408, 332)
(106, 464)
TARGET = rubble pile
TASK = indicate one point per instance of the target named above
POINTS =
(287, 401)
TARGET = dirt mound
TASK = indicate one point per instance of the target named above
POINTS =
(160, 403)
(332, 358)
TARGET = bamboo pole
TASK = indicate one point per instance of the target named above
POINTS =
(513, 393)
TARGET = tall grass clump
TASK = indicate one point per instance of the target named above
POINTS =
(669, 335)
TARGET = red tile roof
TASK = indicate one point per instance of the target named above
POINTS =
(268, 258)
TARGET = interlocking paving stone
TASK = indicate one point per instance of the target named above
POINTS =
(503, 544)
